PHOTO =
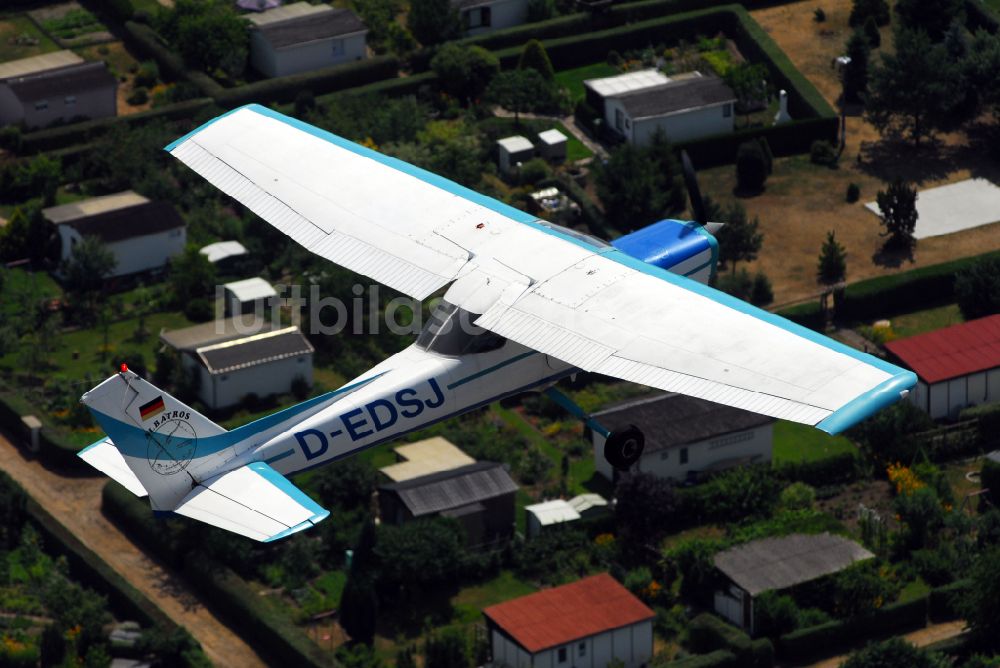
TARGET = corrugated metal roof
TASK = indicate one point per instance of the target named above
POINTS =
(254, 350)
(516, 144)
(623, 83)
(953, 351)
(585, 502)
(773, 564)
(221, 250)
(69, 80)
(448, 490)
(286, 13)
(190, 339)
(34, 64)
(425, 457)
(563, 614)
(556, 511)
(321, 25)
(128, 223)
(93, 206)
(676, 96)
(672, 420)
(552, 137)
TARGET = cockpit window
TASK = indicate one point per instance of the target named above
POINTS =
(579, 236)
(450, 332)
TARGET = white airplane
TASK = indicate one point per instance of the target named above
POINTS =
(529, 303)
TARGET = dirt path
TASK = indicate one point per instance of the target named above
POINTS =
(76, 503)
(919, 638)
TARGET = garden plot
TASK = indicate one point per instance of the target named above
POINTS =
(954, 207)
(70, 24)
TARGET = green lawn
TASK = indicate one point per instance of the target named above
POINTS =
(20, 38)
(15, 282)
(468, 604)
(74, 23)
(573, 79)
(928, 320)
(795, 442)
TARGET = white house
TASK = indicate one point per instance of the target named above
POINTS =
(230, 363)
(585, 624)
(55, 87)
(956, 367)
(774, 564)
(481, 16)
(685, 107)
(686, 436)
(142, 235)
(302, 37)
(251, 295)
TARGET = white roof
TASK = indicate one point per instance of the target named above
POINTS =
(624, 83)
(516, 144)
(220, 250)
(552, 137)
(46, 61)
(425, 457)
(585, 502)
(553, 512)
(286, 12)
(250, 289)
(65, 213)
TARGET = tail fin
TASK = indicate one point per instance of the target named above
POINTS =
(163, 441)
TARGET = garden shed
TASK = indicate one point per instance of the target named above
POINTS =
(512, 151)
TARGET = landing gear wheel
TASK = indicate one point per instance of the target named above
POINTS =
(623, 448)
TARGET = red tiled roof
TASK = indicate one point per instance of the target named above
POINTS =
(562, 614)
(953, 351)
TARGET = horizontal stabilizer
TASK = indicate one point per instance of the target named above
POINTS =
(107, 459)
(254, 501)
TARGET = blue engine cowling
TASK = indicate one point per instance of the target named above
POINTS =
(685, 248)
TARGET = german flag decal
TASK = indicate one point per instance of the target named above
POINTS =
(154, 407)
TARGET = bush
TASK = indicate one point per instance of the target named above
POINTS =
(798, 496)
(990, 478)
(707, 633)
(148, 74)
(819, 16)
(199, 310)
(822, 153)
(977, 288)
(720, 658)
(944, 602)
(775, 614)
(535, 170)
(853, 193)
(751, 167)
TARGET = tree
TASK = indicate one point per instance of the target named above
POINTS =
(981, 603)
(739, 239)
(931, 16)
(870, 29)
(646, 508)
(859, 589)
(465, 71)
(921, 511)
(39, 176)
(348, 484)
(209, 35)
(898, 207)
(534, 57)
(433, 21)
(359, 609)
(912, 92)
(981, 72)
(520, 91)
(84, 272)
(748, 83)
(893, 653)
(886, 437)
(192, 276)
(977, 288)
(832, 267)
(447, 649)
(862, 10)
(751, 167)
(855, 74)
(420, 554)
(635, 187)
(28, 235)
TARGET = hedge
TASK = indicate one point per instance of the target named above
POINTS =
(988, 416)
(838, 469)
(720, 658)
(943, 601)
(980, 16)
(55, 450)
(917, 289)
(707, 633)
(275, 636)
(833, 637)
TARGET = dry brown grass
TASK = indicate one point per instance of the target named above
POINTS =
(803, 201)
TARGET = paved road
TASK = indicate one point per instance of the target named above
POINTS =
(920, 638)
(76, 503)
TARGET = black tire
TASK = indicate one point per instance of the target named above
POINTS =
(623, 448)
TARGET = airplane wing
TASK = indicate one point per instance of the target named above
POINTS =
(254, 501)
(106, 458)
(566, 295)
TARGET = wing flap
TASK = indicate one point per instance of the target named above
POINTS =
(254, 501)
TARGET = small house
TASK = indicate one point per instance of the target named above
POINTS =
(142, 235)
(251, 295)
(775, 564)
(591, 623)
(684, 107)
(231, 362)
(482, 16)
(559, 512)
(55, 87)
(479, 496)
(512, 151)
(302, 37)
(956, 367)
(552, 145)
(686, 436)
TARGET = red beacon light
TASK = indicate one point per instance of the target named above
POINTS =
(124, 367)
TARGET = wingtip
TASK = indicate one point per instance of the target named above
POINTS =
(881, 396)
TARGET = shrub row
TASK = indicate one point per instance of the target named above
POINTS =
(836, 470)
(787, 139)
(833, 637)
(720, 658)
(55, 449)
(943, 602)
(707, 633)
(884, 296)
(275, 636)
(980, 16)
(988, 417)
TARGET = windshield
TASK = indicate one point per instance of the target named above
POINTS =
(450, 332)
(579, 236)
